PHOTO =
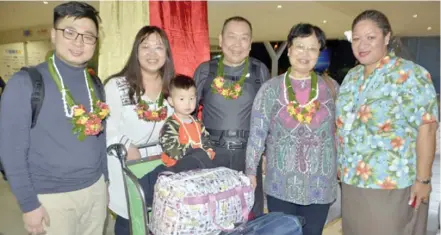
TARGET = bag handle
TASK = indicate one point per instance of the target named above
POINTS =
(212, 208)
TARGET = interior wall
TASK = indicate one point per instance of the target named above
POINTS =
(22, 35)
(14, 56)
(424, 51)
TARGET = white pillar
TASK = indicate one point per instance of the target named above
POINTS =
(275, 55)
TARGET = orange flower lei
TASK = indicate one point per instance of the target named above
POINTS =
(302, 113)
(144, 113)
(305, 114)
(83, 123)
(231, 91)
(89, 124)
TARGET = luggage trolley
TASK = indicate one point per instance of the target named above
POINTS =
(139, 213)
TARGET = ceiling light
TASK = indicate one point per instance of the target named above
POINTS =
(324, 22)
(415, 16)
(45, 2)
(429, 28)
(279, 6)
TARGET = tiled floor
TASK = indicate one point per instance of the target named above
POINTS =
(10, 215)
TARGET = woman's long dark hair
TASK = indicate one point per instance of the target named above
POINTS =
(132, 69)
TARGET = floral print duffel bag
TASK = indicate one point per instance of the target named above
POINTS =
(205, 201)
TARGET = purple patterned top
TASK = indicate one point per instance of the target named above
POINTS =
(301, 158)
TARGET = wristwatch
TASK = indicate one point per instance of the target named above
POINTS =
(427, 181)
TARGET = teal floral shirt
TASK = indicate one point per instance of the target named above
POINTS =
(378, 150)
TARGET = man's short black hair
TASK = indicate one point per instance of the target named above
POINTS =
(237, 19)
(78, 10)
(181, 82)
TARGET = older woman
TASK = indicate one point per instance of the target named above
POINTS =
(293, 122)
(387, 119)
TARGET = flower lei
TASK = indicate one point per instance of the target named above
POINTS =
(144, 113)
(302, 113)
(234, 89)
(83, 123)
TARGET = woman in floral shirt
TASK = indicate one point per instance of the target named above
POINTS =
(292, 120)
(387, 117)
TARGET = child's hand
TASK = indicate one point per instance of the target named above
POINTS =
(133, 153)
(211, 153)
(253, 180)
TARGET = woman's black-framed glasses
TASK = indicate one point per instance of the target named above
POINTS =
(71, 34)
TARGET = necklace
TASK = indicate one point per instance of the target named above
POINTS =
(302, 112)
(144, 112)
(83, 123)
(66, 96)
(232, 90)
(190, 141)
(303, 83)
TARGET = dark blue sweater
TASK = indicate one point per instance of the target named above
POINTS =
(47, 158)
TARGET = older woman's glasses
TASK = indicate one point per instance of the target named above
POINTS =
(302, 48)
(71, 34)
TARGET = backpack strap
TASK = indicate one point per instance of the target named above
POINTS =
(330, 85)
(37, 96)
(254, 73)
(212, 72)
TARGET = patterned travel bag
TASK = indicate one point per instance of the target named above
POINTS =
(206, 201)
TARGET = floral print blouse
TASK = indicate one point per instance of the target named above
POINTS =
(378, 150)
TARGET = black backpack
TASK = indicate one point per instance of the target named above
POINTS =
(37, 96)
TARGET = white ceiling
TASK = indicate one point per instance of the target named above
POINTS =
(269, 21)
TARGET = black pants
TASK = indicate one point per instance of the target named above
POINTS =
(122, 226)
(235, 159)
(315, 214)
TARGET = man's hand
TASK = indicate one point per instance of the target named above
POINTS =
(36, 220)
(133, 153)
(253, 180)
(420, 192)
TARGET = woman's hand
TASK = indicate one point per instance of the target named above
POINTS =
(133, 153)
(420, 192)
(338, 175)
(253, 180)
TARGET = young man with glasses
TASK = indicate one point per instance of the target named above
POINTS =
(57, 172)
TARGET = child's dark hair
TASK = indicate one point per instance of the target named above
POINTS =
(181, 82)
(78, 10)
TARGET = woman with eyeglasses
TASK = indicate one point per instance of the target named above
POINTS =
(292, 121)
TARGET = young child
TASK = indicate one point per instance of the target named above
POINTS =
(182, 134)
(183, 138)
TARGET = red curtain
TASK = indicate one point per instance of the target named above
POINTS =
(186, 25)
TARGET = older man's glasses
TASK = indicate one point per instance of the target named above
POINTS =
(71, 34)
